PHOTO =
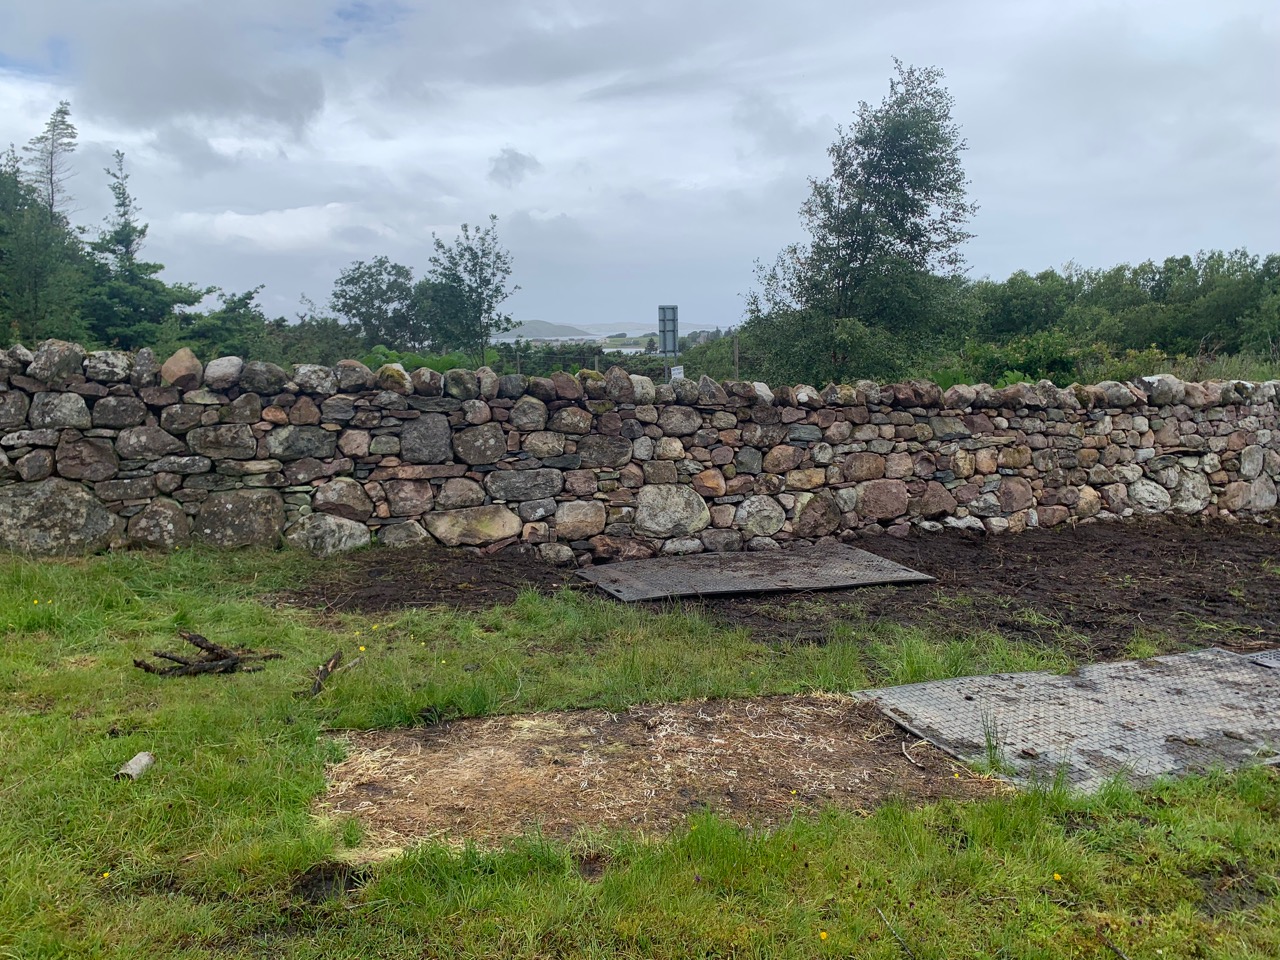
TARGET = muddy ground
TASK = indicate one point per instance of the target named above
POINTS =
(1093, 589)
(752, 761)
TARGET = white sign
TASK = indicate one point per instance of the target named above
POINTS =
(677, 373)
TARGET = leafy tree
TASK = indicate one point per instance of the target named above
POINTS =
(314, 337)
(41, 263)
(441, 310)
(1023, 303)
(235, 327)
(475, 269)
(889, 217)
(48, 161)
(377, 296)
(127, 304)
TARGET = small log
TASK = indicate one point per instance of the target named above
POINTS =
(136, 767)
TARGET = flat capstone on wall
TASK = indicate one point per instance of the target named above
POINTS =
(106, 449)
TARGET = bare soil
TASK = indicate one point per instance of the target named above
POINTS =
(1091, 588)
(752, 761)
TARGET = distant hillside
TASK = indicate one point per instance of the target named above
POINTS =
(545, 330)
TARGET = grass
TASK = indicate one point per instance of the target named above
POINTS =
(202, 857)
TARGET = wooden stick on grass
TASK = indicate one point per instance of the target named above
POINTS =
(897, 936)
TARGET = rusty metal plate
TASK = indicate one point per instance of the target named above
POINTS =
(1140, 719)
(804, 568)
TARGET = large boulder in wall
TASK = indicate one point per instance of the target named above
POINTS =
(324, 534)
(241, 518)
(54, 517)
(670, 510)
(473, 526)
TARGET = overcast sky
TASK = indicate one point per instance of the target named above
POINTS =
(639, 153)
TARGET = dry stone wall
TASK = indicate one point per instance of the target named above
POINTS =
(107, 449)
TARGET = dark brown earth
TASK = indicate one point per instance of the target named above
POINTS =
(1093, 589)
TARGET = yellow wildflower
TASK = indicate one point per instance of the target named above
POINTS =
(822, 934)
(1057, 876)
(362, 649)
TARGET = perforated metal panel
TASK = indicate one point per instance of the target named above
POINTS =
(1142, 718)
(1270, 658)
(704, 574)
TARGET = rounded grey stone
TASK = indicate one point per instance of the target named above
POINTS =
(427, 439)
(322, 534)
(260, 377)
(53, 517)
(162, 524)
(760, 516)
(223, 373)
(670, 510)
(56, 361)
(241, 518)
(59, 410)
(678, 421)
(524, 484)
(407, 534)
(119, 412)
(601, 451)
(480, 445)
(529, 414)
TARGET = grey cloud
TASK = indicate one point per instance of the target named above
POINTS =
(190, 150)
(511, 166)
(674, 140)
(776, 128)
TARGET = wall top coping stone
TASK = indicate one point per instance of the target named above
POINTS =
(352, 377)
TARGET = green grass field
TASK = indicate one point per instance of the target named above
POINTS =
(203, 857)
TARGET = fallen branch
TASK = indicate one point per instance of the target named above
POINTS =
(911, 758)
(324, 671)
(213, 658)
(136, 767)
(897, 936)
(1106, 942)
(330, 668)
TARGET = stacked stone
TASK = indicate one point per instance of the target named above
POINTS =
(109, 448)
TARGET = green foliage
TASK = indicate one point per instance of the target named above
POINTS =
(866, 295)
(470, 277)
(48, 161)
(201, 857)
(1046, 354)
(377, 298)
(42, 263)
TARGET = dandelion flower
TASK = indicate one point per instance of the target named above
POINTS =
(35, 601)
(822, 934)
(105, 874)
(362, 649)
(1057, 876)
